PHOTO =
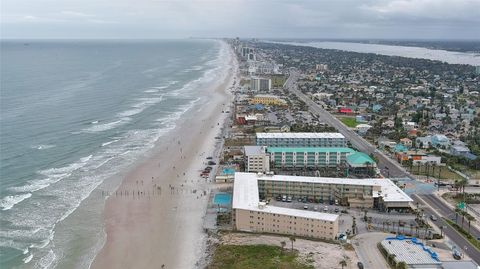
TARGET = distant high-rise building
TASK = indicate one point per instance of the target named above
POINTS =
(321, 67)
(477, 70)
(260, 84)
(246, 51)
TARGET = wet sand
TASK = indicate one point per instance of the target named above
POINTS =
(154, 219)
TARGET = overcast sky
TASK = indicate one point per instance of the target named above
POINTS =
(444, 19)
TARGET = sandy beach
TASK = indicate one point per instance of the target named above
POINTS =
(155, 218)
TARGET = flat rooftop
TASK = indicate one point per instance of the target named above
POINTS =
(254, 150)
(410, 252)
(309, 149)
(389, 191)
(300, 135)
(245, 196)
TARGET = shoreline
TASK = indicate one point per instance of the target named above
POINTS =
(161, 223)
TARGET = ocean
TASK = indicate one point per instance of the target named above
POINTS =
(74, 116)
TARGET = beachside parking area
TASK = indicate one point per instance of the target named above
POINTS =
(377, 219)
(296, 204)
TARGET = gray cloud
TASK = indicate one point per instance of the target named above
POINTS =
(450, 19)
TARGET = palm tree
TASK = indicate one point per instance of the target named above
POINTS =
(469, 218)
(343, 263)
(283, 244)
(292, 239)
(391, 258)
(457, 212)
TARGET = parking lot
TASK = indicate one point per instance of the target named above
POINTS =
(377, 219)
(305, 205)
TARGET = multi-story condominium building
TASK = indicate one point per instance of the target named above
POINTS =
(301, 140)
(379, 193)
(260, 84)
(267, 99)
(311, 157)
(251, 215)
(256, 159)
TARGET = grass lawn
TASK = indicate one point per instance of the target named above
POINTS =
(350, 122)
(278, 80)
(255, 256)
(437, 172)
(473, 174)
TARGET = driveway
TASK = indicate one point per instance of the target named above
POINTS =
(366, 247)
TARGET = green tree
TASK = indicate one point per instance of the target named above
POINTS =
(402, 265)
(292, 240)
(469, 218)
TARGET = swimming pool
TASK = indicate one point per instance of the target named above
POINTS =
(222, 198)
(228, 171)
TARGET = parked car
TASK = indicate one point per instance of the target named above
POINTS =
(315, 208)
(284, 198)
(325, 208)
(211, 163)
(209, 158)
(360, 265)
(336, 210)
(289, 199)
(433, 217)
(305, 206)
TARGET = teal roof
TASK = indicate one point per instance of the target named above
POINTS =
(400, 148)
(359, 158)
(308, 149)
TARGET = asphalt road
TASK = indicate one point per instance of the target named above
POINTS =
(451, 233)
(368, 252)
(447, 212)
(388, 166)
(385, 164)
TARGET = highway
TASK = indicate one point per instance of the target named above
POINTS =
(393, 169)
(387, 165)
(447, 212)
(462, 243)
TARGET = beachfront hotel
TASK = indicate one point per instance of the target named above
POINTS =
(256, 159)
(301, 140)
(311, 157)
(378, 193)
(262, 159)
(251, 215)
(260, 84)
(267, 99)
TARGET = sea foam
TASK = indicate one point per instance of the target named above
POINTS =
(10, 201)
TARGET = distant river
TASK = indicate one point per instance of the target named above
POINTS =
(450, 57)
